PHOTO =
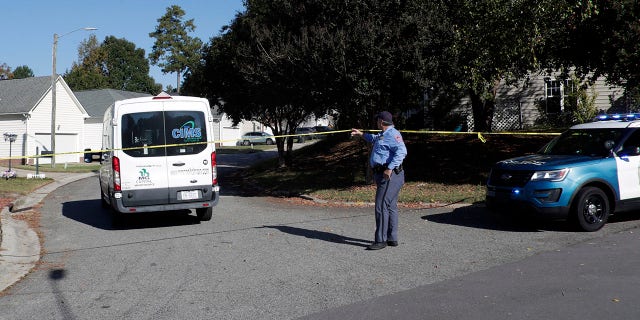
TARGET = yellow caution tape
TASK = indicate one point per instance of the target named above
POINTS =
(479, 134)
(481, 137)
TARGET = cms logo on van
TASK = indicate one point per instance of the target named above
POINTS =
(187, 131)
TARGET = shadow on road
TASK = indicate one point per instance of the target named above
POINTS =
(480, 217)
(90, 212)
(320, 235)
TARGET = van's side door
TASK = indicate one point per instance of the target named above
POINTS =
(143, 161)
(188, 151)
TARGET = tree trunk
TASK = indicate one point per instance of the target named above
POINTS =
(178, 82)
(482, 112)
(281, 153)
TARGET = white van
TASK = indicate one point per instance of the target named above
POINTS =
(159, 156)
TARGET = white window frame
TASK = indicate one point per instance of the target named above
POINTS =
(554, 88)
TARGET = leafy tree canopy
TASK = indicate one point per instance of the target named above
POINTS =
(115, 63)
(22, 72)
(5, 72)
(174, 50)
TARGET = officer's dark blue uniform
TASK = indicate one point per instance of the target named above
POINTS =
(386, 160)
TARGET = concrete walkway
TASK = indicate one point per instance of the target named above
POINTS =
(19, 244)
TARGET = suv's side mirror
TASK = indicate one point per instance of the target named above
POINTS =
(629, 151)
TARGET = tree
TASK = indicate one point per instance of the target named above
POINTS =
(115, 63)
(174, 50)
(87, 72)
(600, 38)
(22, 72)
(126, 66)
(281, 61)
(268, 82)
(5, 72)
(497, 40)
(390, 52)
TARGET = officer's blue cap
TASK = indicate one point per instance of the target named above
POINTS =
(385, 117)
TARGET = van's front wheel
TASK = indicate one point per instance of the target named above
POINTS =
(204, 214)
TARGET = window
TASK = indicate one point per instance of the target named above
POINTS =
(553, 88)
(554, 95)
(587, 142)
(144, 133)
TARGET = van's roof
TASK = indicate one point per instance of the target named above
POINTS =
(163, 96)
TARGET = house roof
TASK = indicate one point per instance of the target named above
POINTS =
(22, 95)
(97, 101)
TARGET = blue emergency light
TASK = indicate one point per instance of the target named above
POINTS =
(618, 116)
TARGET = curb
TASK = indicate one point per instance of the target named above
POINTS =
(19, 244)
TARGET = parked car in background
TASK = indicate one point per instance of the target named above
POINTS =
(256, 137)
(321, 129)
(306, 134)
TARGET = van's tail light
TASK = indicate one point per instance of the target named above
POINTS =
(214, 170)
(115, 164)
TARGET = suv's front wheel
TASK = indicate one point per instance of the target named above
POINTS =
(591, 209)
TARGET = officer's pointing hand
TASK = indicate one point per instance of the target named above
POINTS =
(356, 132)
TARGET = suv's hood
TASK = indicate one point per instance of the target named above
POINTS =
(543, 162)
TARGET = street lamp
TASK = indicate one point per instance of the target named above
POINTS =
(54, 77)
(11, 137)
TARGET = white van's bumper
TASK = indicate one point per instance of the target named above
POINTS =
(117, 204)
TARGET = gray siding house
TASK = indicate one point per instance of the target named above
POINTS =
(519, 107)
(96, 102)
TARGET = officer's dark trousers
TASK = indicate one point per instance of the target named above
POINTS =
(387, 206)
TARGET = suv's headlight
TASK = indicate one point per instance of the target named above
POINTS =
(551, 175)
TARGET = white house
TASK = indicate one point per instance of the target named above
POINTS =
(25, 110)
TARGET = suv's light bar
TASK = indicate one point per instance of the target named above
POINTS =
(618, 116)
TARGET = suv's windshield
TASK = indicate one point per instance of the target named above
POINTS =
(586, 142)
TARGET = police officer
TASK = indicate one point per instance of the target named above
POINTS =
(386, 161)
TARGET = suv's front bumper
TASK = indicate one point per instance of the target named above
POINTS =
(542, 202)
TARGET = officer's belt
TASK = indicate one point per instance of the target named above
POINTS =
(381, 168)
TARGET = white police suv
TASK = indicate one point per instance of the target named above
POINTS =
(585, 174)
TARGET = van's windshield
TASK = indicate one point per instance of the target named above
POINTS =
(168, 133)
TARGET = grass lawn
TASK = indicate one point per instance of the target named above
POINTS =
(20, 186)
(438, 169)
(62, 167)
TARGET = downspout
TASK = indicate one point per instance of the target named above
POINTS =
(25, 138)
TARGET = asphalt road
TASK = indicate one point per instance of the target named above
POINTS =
(263, 258)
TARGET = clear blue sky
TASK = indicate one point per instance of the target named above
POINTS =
(28, 27)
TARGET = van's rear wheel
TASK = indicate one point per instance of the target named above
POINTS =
(591, 209)
(246, 143)
(204, 214)
(103, 201)
(118, 219)
(269, 141)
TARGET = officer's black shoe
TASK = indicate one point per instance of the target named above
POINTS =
(377, 246)
(392, 243)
